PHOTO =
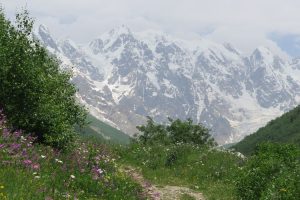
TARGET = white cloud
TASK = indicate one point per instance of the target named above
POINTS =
(245, 23)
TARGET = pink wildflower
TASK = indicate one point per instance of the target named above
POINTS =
(35, 166)
(27, 162)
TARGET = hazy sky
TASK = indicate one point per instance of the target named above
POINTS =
(244, 23)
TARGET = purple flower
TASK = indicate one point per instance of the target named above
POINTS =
(97, 172)
(27, 162)
(30, 138)
(6, 133)
(2, 146)
(24, 152)
(15, 146)
(17, 134)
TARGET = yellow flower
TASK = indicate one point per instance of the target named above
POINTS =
(283, 190)
(1, 187)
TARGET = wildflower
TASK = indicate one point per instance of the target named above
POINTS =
(100, 171)
(15, 146)
(24, 152)
(27, 162)
(30, 139)
(72, 176)
(59, 161)
(2, 146)
(42, 156)
(97, 171)
(67, 195)
(5, 132)
(35, 166)
(34, 173)
(17, 134)
(37, 177)
(1, 187)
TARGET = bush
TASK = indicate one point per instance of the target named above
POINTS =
(177, 131)
(35, 93)
(272, 173)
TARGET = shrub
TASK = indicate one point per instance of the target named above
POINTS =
(272, 173)
(35, 93)
(177, 131)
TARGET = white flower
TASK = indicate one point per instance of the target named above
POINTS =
(72, 176)
(34, 173)
(37, 177)
(42, 156)
(100, 171)
(59, 161)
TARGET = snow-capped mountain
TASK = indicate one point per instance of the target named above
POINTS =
(124, 76)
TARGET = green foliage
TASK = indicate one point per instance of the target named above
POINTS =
(201, 168)
(177, 131)
(35, 94)
(272, 173)
(183, 154)
(284, 129)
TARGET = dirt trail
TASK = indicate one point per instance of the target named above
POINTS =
(160, 193)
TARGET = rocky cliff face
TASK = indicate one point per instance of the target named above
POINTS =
(124, 76)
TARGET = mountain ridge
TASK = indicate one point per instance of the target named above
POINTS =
(123, 76)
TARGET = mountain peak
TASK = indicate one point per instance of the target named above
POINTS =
(263, 54)
(42, 33)
(229, 47)
(44, 29)
(263, 49)
(123, 29)
(70, 42)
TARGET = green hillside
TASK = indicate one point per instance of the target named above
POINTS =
(99, 129)
(284, 129)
